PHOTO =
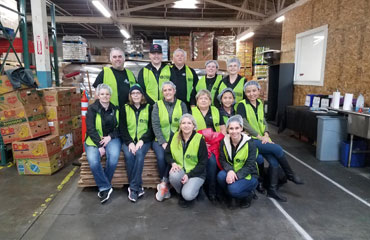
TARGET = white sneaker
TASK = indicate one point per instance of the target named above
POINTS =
(163, 192)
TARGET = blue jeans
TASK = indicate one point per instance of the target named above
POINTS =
(212, 170)
(241, 188)
(135, 165)
(272, 152)
(259, 159)
(103, 177)
(163, 167)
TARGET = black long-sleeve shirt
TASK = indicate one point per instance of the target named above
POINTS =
(199, 169)
(178, 77)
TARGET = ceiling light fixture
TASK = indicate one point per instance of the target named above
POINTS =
(280, 19)
(245, 36)
(189, 4)
(125, 33)
(102, 8)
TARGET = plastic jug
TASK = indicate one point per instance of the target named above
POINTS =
(360, 102)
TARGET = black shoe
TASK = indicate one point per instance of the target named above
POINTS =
(272, 190)
(212, 198)
(245, 202)
(291, 176)
(232, 204)
(183, 203)
(254, 195)
(104, 195)
(294, 178)
(275, 195)
(260, 188)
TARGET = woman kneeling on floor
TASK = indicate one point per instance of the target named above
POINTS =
(102, 138)
(187, 154)
(238, 159)
(137, 138)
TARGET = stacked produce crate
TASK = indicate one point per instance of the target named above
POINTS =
(74, 48)
(182, 42)
(261, 67)
(202, 45)
(226, 47)
(245, 55)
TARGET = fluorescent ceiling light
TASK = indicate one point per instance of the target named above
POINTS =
(245, 36)
(102, 8)
(280, 19)
(125, 33)
(190, 4)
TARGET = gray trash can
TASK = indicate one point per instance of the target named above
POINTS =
(331, 131)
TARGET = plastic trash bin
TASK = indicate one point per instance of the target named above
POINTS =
(331, 131)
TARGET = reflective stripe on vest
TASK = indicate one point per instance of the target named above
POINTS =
(189, 159)
(201, 123)
(258, 126)
(153, 88)
(99, 128)
(137, 131)
(203, 85)
(240, 158)
(168, 126)
(238, 89)
(111, 81)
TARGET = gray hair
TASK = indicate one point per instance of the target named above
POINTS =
(116, 49)
(168, 83)
(179, 50)
(103, 87)
(234, 60)
(236, 118)
(203, 92)
(212, 61)
(252, 83)
(188, 115)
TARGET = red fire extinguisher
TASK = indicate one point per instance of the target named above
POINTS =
(84, 106)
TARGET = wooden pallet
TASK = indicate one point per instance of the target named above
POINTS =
(150, 174)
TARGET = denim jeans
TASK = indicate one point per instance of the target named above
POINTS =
(163, 167)
(135, 165)
(212, 170)
(272, 152)
(103, 177)
(241, 188)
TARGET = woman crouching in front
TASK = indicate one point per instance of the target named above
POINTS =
(187, 154)
(238, 159)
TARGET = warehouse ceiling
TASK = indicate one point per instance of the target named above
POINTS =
(159, 19)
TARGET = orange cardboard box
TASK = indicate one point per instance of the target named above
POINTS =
(75, 108)
(55, 113)
(56, 96)
(60, 127)
(21, 114)
(19, 98)
(68, 154)
(78, 150)
(77, 136)
(40, 148)
(6, 85)
(40, 166)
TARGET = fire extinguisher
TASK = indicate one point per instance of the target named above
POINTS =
(84, 106)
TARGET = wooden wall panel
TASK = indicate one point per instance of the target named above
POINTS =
(348, 49)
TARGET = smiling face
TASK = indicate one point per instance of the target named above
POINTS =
(187, 126)
(211, 69)
(104, 96)
(136, 96)
(252, 93)
(155, 58)
(179, 58)
(203, 101)
(168, 93)
(227, 99)
(117, 59)
(235, 130)
(233, 68)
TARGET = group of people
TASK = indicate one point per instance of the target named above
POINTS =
(180, 116)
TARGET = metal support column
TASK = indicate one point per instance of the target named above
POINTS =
(23, 26)
(54, 39)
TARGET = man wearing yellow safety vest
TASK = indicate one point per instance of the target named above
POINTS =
(117, 77)
(183, 76)
(153, 75)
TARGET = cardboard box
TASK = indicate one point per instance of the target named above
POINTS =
(40, 166)
(56, 96)
(201, 65)
(75, 108)
(21, 114)
(19, 98)
(78, 150)
(60, 127)
(41, 148)
(55, 113)
(66, 141)
(6, 85)
(76, 122)
(68, 155)
(25, 131)
(77, 136)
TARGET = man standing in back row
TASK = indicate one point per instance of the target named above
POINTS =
(153, 75)
(183, 77)
(117, 77)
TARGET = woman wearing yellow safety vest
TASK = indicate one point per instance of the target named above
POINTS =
(210, 81)
(233, 80)
(255, 124)
(137, 138)
(102, 138)
(165, 122)
(187, 155)
(227, 101)
(207, 116)
(237, 156)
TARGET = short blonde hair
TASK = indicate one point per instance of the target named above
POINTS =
(203, 92)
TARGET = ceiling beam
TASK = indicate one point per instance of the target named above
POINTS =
(152, 5)
(285, 10)
(236, 8)
(155, 22)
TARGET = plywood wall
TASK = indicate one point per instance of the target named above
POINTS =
(347, 65)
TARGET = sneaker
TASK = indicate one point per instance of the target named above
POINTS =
(163, 192)
(141, 192)
(99, 195)
(133, 196)
(105, 195)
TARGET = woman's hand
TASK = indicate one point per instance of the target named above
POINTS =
(175, 168)
(102, 151)
(184, 179)
(105, 140)
(132, 148)
(164, 145)
(139, 144)
(231, 177)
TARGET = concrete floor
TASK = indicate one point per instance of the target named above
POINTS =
(33, 208)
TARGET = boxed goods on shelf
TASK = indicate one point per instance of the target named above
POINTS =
(261, 71)
(202, 45)
(74, 48)
(258, 56)
(183, 42)
(226, 47)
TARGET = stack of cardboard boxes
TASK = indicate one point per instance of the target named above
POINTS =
(182, 42)
(245, 54)
(203, 45)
